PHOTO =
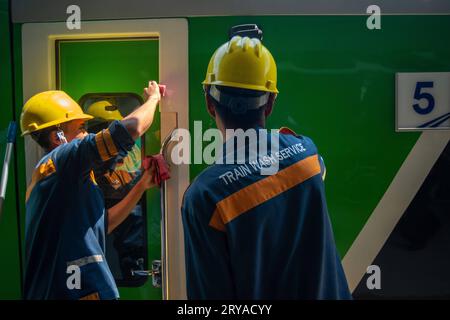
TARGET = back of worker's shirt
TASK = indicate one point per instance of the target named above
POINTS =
(66, 222)
(254, 236)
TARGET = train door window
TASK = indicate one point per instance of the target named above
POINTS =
(126, 245)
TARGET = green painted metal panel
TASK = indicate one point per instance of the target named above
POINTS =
(10, 284)
(119, 66)
(337, 85)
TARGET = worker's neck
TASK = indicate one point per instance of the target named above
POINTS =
(223, 129)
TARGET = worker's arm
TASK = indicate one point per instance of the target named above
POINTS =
(138, 122)
(118, 213)
(77, 158)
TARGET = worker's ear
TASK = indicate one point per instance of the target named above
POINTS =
(270, 103)
(210, 106)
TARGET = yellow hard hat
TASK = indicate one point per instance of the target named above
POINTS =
(243, 63)
(104, 111)
(47, 109)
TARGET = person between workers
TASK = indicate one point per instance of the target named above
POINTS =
(258, 236)
(66, 219)
(116, 178)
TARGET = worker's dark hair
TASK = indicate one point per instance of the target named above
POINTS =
(42, 137)
(235, 119)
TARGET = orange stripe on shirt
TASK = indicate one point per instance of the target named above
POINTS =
(92, 296)
(101, 147)
(253, 195)
(41, 172)
(92, 177)
(110, 146)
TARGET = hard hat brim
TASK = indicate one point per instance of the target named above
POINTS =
(56, 122)
(239, 86)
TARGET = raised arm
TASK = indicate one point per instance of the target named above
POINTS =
(82, 155)
(138, 122)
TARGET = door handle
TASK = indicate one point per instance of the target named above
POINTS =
(155, 273)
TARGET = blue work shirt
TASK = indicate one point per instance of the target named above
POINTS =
(254, 236)
(65, 220)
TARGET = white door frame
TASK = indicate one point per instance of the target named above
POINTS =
(38, 58)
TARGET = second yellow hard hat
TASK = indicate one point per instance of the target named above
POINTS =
(104, 111)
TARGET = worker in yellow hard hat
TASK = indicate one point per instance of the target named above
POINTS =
(257, 228)
(66, 219)
(116, 180)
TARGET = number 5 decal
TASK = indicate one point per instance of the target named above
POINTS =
(418, 95)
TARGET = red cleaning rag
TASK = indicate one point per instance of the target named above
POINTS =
(162, 169)
(162, 89)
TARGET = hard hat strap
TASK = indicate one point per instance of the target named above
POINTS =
(238, 104)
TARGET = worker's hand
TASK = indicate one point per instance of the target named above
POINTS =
(152, 92)
(148, 178)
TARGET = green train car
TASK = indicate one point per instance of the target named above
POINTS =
(343, 81)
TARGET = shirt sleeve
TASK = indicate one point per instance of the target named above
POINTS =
(208, 268)
(80, 156)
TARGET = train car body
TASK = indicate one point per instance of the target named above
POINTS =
(337, 80)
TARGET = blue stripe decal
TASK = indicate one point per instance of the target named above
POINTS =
(430, 123)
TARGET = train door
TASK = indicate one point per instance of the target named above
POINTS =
(108, 63)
